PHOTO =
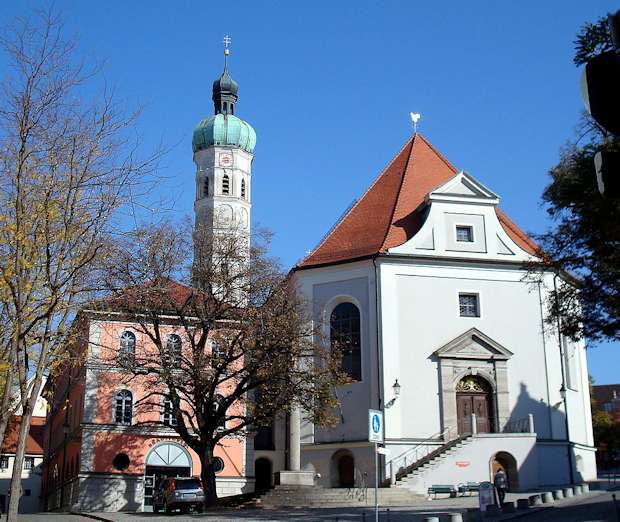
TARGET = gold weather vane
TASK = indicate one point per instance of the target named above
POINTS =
(227, 42)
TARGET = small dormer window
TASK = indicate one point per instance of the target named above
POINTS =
(464, 234)
(225, 184)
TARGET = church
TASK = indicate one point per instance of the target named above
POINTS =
(424, 281)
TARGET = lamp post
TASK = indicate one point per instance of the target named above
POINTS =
(396, 389)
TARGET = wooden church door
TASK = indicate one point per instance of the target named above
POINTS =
(473, 395)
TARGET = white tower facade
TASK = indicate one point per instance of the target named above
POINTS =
(223, 146)
(223, 189)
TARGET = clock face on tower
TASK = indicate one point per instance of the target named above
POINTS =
(225, 159)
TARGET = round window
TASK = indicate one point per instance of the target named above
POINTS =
(218, 465)
(121, 461)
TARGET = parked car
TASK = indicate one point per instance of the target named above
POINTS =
(183, 493)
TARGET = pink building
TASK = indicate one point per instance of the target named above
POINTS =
(105, 451)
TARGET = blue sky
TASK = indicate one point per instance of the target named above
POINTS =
(329, 85)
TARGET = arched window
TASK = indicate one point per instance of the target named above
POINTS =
(225, 184)
(232, 108)
(174, 350)
(345, 336)
(206, 187)
(127, 347)
(243, 188)
(123, 407)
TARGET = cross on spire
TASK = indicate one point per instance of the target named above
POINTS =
(227, 41)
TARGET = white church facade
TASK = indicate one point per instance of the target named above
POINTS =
(426, 280)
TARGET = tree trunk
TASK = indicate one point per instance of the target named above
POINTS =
(18, 463)
(6, 411)
(207, 474)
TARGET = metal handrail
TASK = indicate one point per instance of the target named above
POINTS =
(417, 452)
(361, 484)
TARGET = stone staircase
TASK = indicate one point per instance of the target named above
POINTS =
(316, 496)
(431, 460)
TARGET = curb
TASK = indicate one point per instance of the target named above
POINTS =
(89, 515)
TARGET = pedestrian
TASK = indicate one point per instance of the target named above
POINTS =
(500, 481)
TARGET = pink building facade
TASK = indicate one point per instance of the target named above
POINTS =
(104, 450)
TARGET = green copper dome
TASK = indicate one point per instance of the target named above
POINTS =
(224, 129)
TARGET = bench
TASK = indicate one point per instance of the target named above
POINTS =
(436, 489)
(469, 487)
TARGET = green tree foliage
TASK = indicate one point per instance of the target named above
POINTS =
(585, 236)
(593, 39)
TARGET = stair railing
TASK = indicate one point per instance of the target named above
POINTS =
(419, 451)
(361, 484)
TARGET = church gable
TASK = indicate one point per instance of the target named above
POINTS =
(473, 344)
(393, 216)
(463, 187)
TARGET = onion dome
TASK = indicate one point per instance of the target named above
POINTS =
(224, 128)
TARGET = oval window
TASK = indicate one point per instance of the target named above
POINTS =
(121, 461)
(218, 465)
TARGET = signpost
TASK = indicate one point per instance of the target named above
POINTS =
(375, 434)
(486, 495)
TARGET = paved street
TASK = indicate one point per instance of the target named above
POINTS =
(597, 507)
(593, 507)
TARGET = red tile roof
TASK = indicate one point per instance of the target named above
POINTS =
(34, 442)
(390, 211)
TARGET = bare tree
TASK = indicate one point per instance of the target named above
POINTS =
(66, 166)
(229, 349)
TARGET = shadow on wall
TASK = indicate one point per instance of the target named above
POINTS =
(118, 487)
(549, 425)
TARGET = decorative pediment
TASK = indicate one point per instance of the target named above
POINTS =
(464, 187)
(473, 344)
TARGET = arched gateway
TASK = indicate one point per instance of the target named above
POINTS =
(166, 459)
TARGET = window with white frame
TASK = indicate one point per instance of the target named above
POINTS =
(28, 462)
(4, 462)
(127, 347)
(469, 305)
(173, 350)
(464, 234)
(123, 407)
(167, 413)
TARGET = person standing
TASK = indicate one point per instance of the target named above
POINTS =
(500, 481)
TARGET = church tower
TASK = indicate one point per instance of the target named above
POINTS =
(223, 147)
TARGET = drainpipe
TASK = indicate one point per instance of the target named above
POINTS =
(563, 388)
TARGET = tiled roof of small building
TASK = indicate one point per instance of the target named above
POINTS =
(34, 441)
(391, 211)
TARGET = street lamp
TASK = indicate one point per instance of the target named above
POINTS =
(563, 392)
(396, 390)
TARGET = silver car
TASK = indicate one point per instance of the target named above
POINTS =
(183, 493)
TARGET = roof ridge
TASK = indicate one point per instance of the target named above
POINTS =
(400, 188)
(359, 200)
